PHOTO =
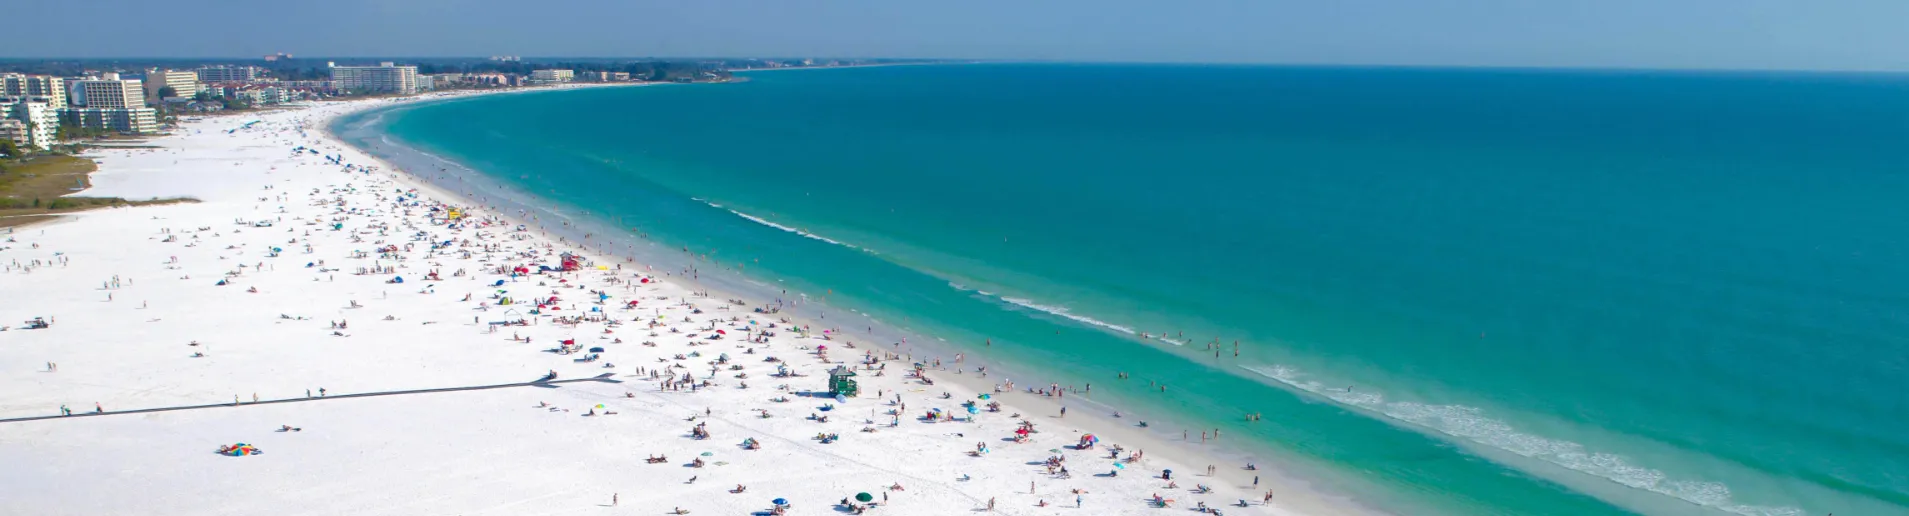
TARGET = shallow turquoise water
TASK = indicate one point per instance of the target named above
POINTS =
(1458, 292)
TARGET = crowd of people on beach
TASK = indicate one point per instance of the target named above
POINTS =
(544, 288)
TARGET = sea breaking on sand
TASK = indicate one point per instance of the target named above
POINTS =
(325, 335)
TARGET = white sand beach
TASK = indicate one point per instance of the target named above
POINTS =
(308, 250)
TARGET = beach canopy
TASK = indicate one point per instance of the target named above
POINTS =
(864, 497)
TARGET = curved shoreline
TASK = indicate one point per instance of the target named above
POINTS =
(1293, 487)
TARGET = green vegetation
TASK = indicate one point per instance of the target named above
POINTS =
(69, 132)
(34, 187)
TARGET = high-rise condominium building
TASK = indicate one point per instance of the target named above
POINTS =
(384, 78)
(108, 92)
(17, 85)
(183, 84)
(212, 74)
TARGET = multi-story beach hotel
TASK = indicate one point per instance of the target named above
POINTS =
(384, 78)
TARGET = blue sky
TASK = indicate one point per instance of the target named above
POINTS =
(1711, 34)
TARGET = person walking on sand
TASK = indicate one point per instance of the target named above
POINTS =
(990, 504)
(613, 499)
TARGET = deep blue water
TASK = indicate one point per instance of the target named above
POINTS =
(1453, 291)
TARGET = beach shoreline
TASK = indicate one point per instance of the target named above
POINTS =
(135, 322)
(1295, 491)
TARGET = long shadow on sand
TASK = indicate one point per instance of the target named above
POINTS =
(546, 384)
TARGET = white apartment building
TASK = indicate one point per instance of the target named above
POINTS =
(384, 78)
(136, 120)
(38, 121)
(109, 92)
(14, 131)
(552, 76)
(228, 73)
(17, 85)
(183, 83)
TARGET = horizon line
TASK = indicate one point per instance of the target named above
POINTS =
(533, 59)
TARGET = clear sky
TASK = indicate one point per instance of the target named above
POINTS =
(1731, 34)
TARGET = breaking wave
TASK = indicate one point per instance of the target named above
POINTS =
(1471, 424)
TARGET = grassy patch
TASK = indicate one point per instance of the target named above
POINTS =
(33, 187)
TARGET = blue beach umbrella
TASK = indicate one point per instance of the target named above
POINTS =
(780, 501)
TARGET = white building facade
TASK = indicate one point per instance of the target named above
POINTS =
(183, 84)
(109, 92)
(228, 73)
(552, 76)
(140, 120)
(17, 85)
(35, 120)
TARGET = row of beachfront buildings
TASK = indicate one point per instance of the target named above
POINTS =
(33, 107)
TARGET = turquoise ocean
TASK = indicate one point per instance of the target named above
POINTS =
(1452, 291)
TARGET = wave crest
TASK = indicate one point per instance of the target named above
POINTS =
(1470, 423)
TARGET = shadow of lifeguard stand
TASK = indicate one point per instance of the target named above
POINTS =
(842, 382)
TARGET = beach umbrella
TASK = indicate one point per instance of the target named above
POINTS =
(780, 501)
(596, 350)
(1119, 466)
(864, 497)
(599, 405)
(984, 396)
(708, 454)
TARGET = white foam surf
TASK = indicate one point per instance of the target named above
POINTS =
(1470, 423)
(1063, 312)
(801, 232)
